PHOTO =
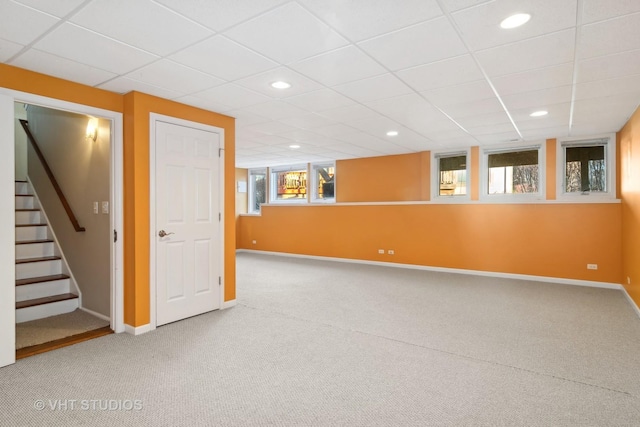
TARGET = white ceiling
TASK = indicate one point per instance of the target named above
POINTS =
(440, 72)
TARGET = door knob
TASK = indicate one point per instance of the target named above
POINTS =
(163, 233)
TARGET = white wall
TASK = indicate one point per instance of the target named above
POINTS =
(7, 235)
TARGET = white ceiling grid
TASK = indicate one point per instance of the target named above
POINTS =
(440, 72)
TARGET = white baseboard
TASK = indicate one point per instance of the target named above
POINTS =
(563, 281)
(95, 314)
(228, 304)
(137, 330)
(631, 301)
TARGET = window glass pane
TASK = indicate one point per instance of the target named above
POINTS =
(514, 172)
(325, 178)
(258, 188)
(585, 169)
(290, 185)
(453, 175)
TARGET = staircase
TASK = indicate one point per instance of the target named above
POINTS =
(43, 287)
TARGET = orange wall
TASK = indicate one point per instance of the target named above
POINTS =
(136, 108)
(383, 179)
(541, 239)
(629, 154)
(535, 239)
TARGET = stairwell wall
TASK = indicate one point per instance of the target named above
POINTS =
(82, 168)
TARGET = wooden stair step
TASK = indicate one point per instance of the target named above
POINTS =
(45, 300)
(39, 259)
(31, 280)
(29, 242)
(24, 195)
(31, 225)
(27, 210)
(20, 180)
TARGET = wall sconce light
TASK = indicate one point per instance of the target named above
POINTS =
(92, 130)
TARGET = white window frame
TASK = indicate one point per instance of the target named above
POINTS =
(273, 184)
(609, 140)
(513, 197)
(435, 176)
(314, 182)
(251, 189)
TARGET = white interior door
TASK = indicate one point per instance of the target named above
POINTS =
(188, 257)
(7, 235)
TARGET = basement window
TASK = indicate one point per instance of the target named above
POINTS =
(257, 189)
(587, 168)
(289, 184)
(452, 170)
(324, 182)
(514, 171)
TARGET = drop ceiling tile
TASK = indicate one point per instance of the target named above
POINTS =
(488, 119)
(374, 88)
(244, 118)
(406, 109)
(453, 5)
(448, 135)
(140, 23)
(377, 126)
(86, 47)
(52, 65)
(270, 128)
(480, 26)
(599, 10)
(498, 138)
(559, 115)
(287, 34)
(221, 14)
(488, 105)
(335, 130)
(125, 85)
(323, 99)
(57, 8)
(538, 99)
(262, 83)
(538, 52)
(594, 128)
(466, 92)
(363, 19)
(351, 112)
(611, 36)
(300, 135)
(271, 141)
(172, 76)
(449, 72)
(233, 95)
(308, 121)
(205, 104)
(609, 67)
(339, 66)
(545, 133)
(276, 110)
(223, 58)
(455, 143)
(367, 141)
(8, 49)
(619, 107)
(354, 150)
(604, 88)
(538, 79)
(436, 127)
(13, 19)
(409, 47)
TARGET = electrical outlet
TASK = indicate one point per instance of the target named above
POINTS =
(628, 280)
(95, 208)
(391, 252)
(592, 266)
(105, 207)
(254, 242)
(381, 251)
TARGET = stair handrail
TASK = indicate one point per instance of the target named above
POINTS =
(54, 182)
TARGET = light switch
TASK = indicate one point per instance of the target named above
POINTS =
(95, 208)
(105, 207)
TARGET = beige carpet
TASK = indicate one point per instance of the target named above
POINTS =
(56, 327)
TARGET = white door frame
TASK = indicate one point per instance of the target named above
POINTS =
(153, 119)
(116, 191)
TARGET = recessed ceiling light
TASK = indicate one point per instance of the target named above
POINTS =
(280, 85)
(539, 113)
(392, 133)
(294, 146)
(515, 20)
